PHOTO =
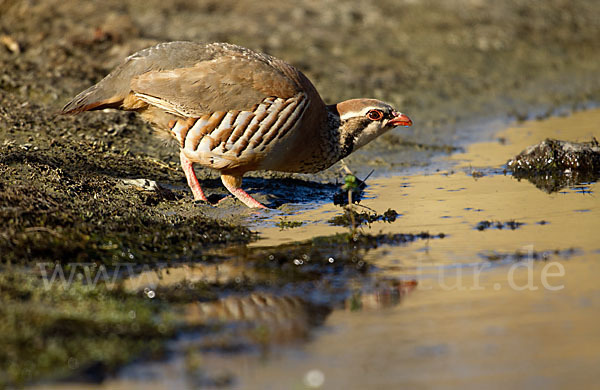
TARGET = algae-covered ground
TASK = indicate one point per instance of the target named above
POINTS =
(63, 198)
(440, 62)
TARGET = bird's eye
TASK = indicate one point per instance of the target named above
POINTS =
(375, 115)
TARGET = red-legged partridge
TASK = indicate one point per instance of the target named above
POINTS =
(235, 110)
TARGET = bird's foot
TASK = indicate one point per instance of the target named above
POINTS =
(233, 184)
(199, 194)
(247, 199)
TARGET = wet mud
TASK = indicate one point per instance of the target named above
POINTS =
(164, 287)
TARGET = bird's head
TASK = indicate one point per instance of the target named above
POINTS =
(363, 120)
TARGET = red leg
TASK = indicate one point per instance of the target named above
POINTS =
(192, 180)
(233, 184)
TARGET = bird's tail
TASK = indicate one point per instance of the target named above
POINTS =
(93, 98)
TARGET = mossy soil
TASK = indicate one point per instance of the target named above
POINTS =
(51, 331)
(62, 198)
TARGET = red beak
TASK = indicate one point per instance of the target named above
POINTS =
(400, 119)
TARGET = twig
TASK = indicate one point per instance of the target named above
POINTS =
(351, 213)
(163, 165)
(43, 229)
(365, 207)
(368, 176)
(345, 167)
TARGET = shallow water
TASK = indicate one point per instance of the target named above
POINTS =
(446, 337)
(493, 308)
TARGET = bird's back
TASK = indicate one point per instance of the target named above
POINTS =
(199, 78)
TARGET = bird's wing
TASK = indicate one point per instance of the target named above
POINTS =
(224, 83)
(191, 79)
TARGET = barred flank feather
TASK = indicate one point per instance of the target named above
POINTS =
(226, 137)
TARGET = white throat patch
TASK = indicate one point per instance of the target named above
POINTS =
(372, 131)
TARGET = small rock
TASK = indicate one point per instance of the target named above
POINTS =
(555, 156)
(10, 43)
(553, 164)
(143, 184)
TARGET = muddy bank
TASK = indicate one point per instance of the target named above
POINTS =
(62, 193)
